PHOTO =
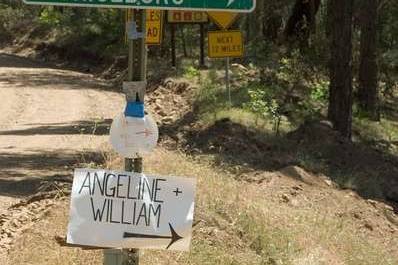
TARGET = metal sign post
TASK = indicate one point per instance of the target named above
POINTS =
(136, 72)
(226, 44)
(228, 80)
(137, 62)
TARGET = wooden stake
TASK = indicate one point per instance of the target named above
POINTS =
(202, 46)
(173, 45)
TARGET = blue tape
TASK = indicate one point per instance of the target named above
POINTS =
(135, 109)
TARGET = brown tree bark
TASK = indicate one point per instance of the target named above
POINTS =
(302, 20)
(272, 20)
(368, 69)
(340, 99)
(183, 41)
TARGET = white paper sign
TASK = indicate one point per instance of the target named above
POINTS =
(131, 210)
(132, 136)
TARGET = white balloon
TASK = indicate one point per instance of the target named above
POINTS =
(131, 137)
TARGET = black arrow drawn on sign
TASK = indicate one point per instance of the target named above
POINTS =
(174, 236)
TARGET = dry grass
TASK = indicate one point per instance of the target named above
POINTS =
(236, 223)
(37, 245)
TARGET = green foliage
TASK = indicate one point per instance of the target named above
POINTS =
(13, 20)
(94, 30)
(320, 91)
(292, 90)
(317, 102)
(388, 47)
(76, 32)
(263, 104)
(50, 17)
(191, 72)
(210, 98)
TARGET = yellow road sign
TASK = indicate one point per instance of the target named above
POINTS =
(187, 17)
(154, 27)
(224, 44)
(223, 19)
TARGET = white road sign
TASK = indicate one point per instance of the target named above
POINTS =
(131, 210)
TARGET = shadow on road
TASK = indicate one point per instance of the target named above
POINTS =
(79, 127)
(14, 61)
(48, 77)
(23, 174)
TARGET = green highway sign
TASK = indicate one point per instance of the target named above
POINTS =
(243, 6)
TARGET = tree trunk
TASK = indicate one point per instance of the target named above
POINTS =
(248, 29)
(340, 99)
(272, 20)
(368, 69)
(183, 41)
(302, 21)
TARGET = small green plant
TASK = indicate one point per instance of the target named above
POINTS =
(50, 16)
(263, 104)
(256, 104)
(291, 89)
(191, 72)
(318, 98)
(320, 91)
(279, 92)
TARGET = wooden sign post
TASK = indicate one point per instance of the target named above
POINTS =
(179, 17)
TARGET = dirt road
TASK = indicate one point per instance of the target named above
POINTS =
(50, 120)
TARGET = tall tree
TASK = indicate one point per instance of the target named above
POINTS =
(302, 20)
(272, 19)
(368, 69)
(340, 98)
